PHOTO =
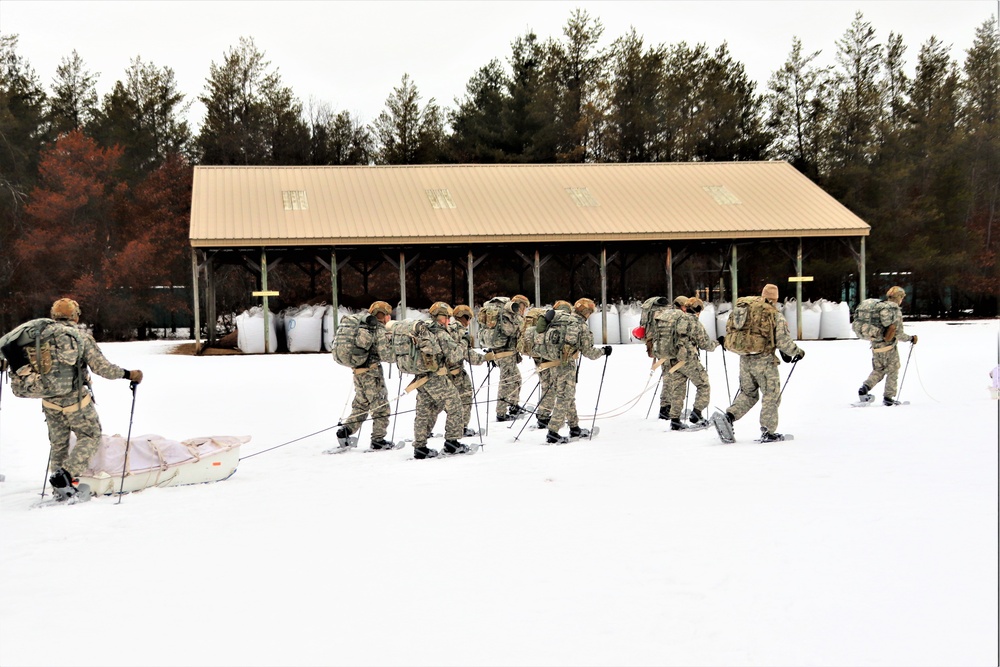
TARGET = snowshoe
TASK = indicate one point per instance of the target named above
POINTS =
(553, 438)
(424, 452)
(723, 422)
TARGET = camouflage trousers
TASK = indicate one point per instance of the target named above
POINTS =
(563, 388)
(546, 392)
(370, 395)
(435, 395)
(509, 391)
(759, 379)
(86, 425)
(463, 383)
(691, 370)
(885, 365)
(666, 390)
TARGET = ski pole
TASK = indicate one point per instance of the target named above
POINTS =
(900, 390)
(541, 398)
(655, 393)
(599, 388)
(399, 390)
(128, 441)
(794, 364)
(525, 404)
(726, 369)
(46, 478)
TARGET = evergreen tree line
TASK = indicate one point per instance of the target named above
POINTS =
(95, 193)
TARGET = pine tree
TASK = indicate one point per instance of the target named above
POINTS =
(405, 133)
(74, 95)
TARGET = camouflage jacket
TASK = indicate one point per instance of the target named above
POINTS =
(692, 336)
(92, 358)
(586, 339)
(463, 339)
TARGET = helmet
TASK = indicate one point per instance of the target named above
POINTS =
(585, 304)
(523, 300)
(770, 292)
(562, 305)
(380, 307)
(65, 309)
(462, 311)
(896, 293)
(694, 305)
(440, 308)
(680, 301)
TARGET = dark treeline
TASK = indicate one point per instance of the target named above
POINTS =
(95, 193)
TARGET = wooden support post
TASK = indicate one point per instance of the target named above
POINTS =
(732, 275)
(670, 274)
(862, 274)
(604, 294)
(196, 301)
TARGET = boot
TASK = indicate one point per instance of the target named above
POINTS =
(380, 443)
(676, 425)
(505, 418)
(455, 447)
(424, 452)
(543, 422)
(888, 402)
(62, 485)
(665, 412)
(553, 437)
(695, 416)
(771, 437)
(469, 433)
(576, 432)
(343, 436)
(863, 394)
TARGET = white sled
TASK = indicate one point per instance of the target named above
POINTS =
(157, 461)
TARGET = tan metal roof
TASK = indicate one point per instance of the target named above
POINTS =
(438, 204)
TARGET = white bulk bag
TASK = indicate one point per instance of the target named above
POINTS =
(304, 328)
(250, 331)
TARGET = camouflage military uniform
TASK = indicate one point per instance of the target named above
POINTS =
(564, 378)
(885, 364)
(691, 337)
(509, 390)
(672, 382)
(439, 393)
(459, 376)
(759, 375)
(370, 393)
(547, 396)
(72, 409)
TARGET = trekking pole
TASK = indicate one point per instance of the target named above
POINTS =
(128, 441)
(726, 369)
(46, 478)
(532, 413)
(794, 364)
(489, 369)
(900, 390)
(525, 404)
(399, 390)
(599, 388)
(655, 393)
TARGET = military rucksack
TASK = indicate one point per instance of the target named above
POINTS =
(750, 327)
(662, 336)
(526, 342)
(414, 347)
(489, 317)
(353, 343)
(561, 338)
(43, 354)
(869, 317)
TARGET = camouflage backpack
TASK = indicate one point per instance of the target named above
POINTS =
(414, 348)
(662, 337)
(750, 327)
(45, 357)
(489, 318)
(871, 318)
(561, 338)
(353, 342)
(526, 342)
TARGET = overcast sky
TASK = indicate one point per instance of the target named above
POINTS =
(350, 55)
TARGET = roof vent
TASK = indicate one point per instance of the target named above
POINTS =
(294, 200)
(440, 198)
(721, 194)
(581, 196)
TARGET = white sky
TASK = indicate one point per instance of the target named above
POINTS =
(351, 54)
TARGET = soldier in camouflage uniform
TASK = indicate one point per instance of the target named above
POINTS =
(691, 336)
(563, 381)
(459, 330)
(672, 382)
(370, 393)
(436, 392)
(71, 409)
(885, 355)
(507, 359)
(547, 395)
(759, 374)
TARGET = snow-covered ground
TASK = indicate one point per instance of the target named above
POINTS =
(871, 539)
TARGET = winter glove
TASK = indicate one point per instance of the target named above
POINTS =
(134, 376)
(722, 341)
(798, 356)
(607, 350)
(913, 340)
(784, 357)
(3, 363)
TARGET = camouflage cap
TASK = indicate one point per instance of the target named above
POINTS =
(523, 300)
(694, 305)
(65, 309)
(896, 292)
(380, 307)
(770, 292)
(585, 304)
(680, 301)
(462, 311)
(562, 305)
(440, 308)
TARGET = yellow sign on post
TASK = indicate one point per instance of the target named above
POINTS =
(265, 293)
(800, 279)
